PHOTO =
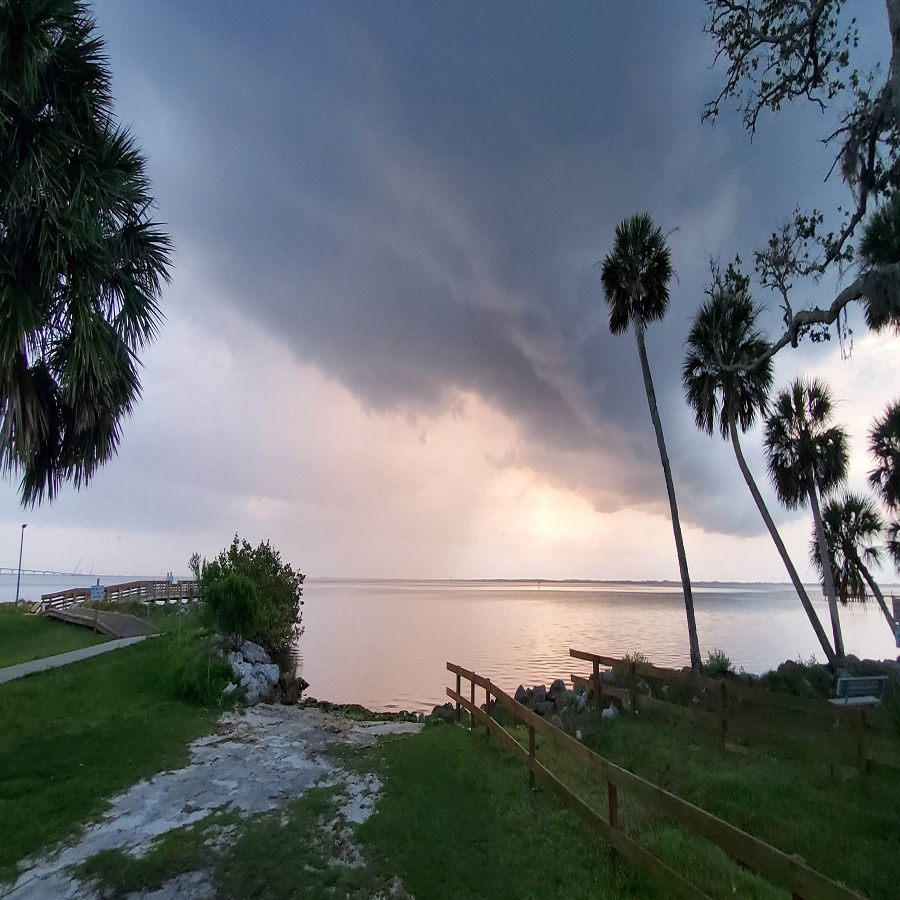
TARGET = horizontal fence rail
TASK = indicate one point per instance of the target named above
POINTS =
(137, 591)
(727, 711)
(787, 871)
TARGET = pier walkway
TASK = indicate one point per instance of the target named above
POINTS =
(112, 624)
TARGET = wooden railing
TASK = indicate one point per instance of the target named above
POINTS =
(734, 711)
(137, 591)
(787, 871)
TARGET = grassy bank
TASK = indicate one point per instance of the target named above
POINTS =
(456, 819)
(70, 738)
(843, 826)
(24, 637)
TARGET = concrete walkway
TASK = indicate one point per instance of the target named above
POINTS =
(10, 673)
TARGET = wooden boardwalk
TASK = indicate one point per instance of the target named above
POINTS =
(113, 624)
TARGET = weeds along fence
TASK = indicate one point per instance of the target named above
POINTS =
(730, 711)
(789, 872)
(129, 591)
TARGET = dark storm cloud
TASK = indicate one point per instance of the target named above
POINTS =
(412, 197)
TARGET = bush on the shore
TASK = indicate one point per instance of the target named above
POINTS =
(233, 601)
(197, 674)
(717, 664)
(277, 617)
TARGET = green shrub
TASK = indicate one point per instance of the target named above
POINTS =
(717, 665)
(233, 601)
(197, 674)
(277, 621)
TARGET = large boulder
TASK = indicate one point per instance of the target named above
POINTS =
(255, 654)
(538, 694)
(557, 689)
(521, 695)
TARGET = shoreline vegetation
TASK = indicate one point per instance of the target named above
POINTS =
(452, 814)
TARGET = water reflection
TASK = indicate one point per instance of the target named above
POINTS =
(385, 644)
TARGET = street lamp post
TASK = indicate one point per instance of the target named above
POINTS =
(21, 545)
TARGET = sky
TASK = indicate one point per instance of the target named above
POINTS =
(386, 345)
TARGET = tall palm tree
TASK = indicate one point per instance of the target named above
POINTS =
(82, 264)
(852, 523)
(723, 395)
(635, 277)
(807, 457)
(884, 445)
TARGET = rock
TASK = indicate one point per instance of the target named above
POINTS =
(538, 694)
(579, 690)
(234, 658)
(581, 702)
(557, 689)
(562, 701)
(229, 689)
(643, 688)
(578, 734)
(609, 713)
(521, 695)
(269, 672)
(556, 722)
(254, 654)
(445, 713)
(545, 708)
(291, 688)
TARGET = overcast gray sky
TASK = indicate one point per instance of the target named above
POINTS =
(386, 345)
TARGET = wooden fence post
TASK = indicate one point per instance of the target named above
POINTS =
(633, 688)
(472, 698)
(596, 686)
(531, 754)
(487, 708)
(613, 799)
(458, 689)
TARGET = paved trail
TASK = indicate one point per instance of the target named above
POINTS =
(10, 673)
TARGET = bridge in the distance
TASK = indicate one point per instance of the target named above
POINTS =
(14, 570)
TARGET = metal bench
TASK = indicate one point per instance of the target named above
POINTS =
(865, 690)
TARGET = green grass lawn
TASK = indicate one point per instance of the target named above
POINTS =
(24, 637)
(70, 738)
(843, 826)
(456, 819)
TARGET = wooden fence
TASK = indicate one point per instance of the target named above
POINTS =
(734, 711)
(787, 871)
(136, 591)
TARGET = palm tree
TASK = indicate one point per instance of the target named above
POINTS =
(635, 277)
(83, 266)
(879, 251)
(808, 457)
(726, 395)
(851, 524)
(884, 445)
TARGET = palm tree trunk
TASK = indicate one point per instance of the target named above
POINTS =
(827, 571)
(673, 506)
(779, 546)
(874, 588)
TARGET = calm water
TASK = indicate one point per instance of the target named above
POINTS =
(386, 644)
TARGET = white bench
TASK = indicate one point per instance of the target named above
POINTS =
(865, 690)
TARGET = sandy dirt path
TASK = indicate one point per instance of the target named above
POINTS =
(254, 762)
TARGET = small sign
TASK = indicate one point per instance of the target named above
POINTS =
(97, 593)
